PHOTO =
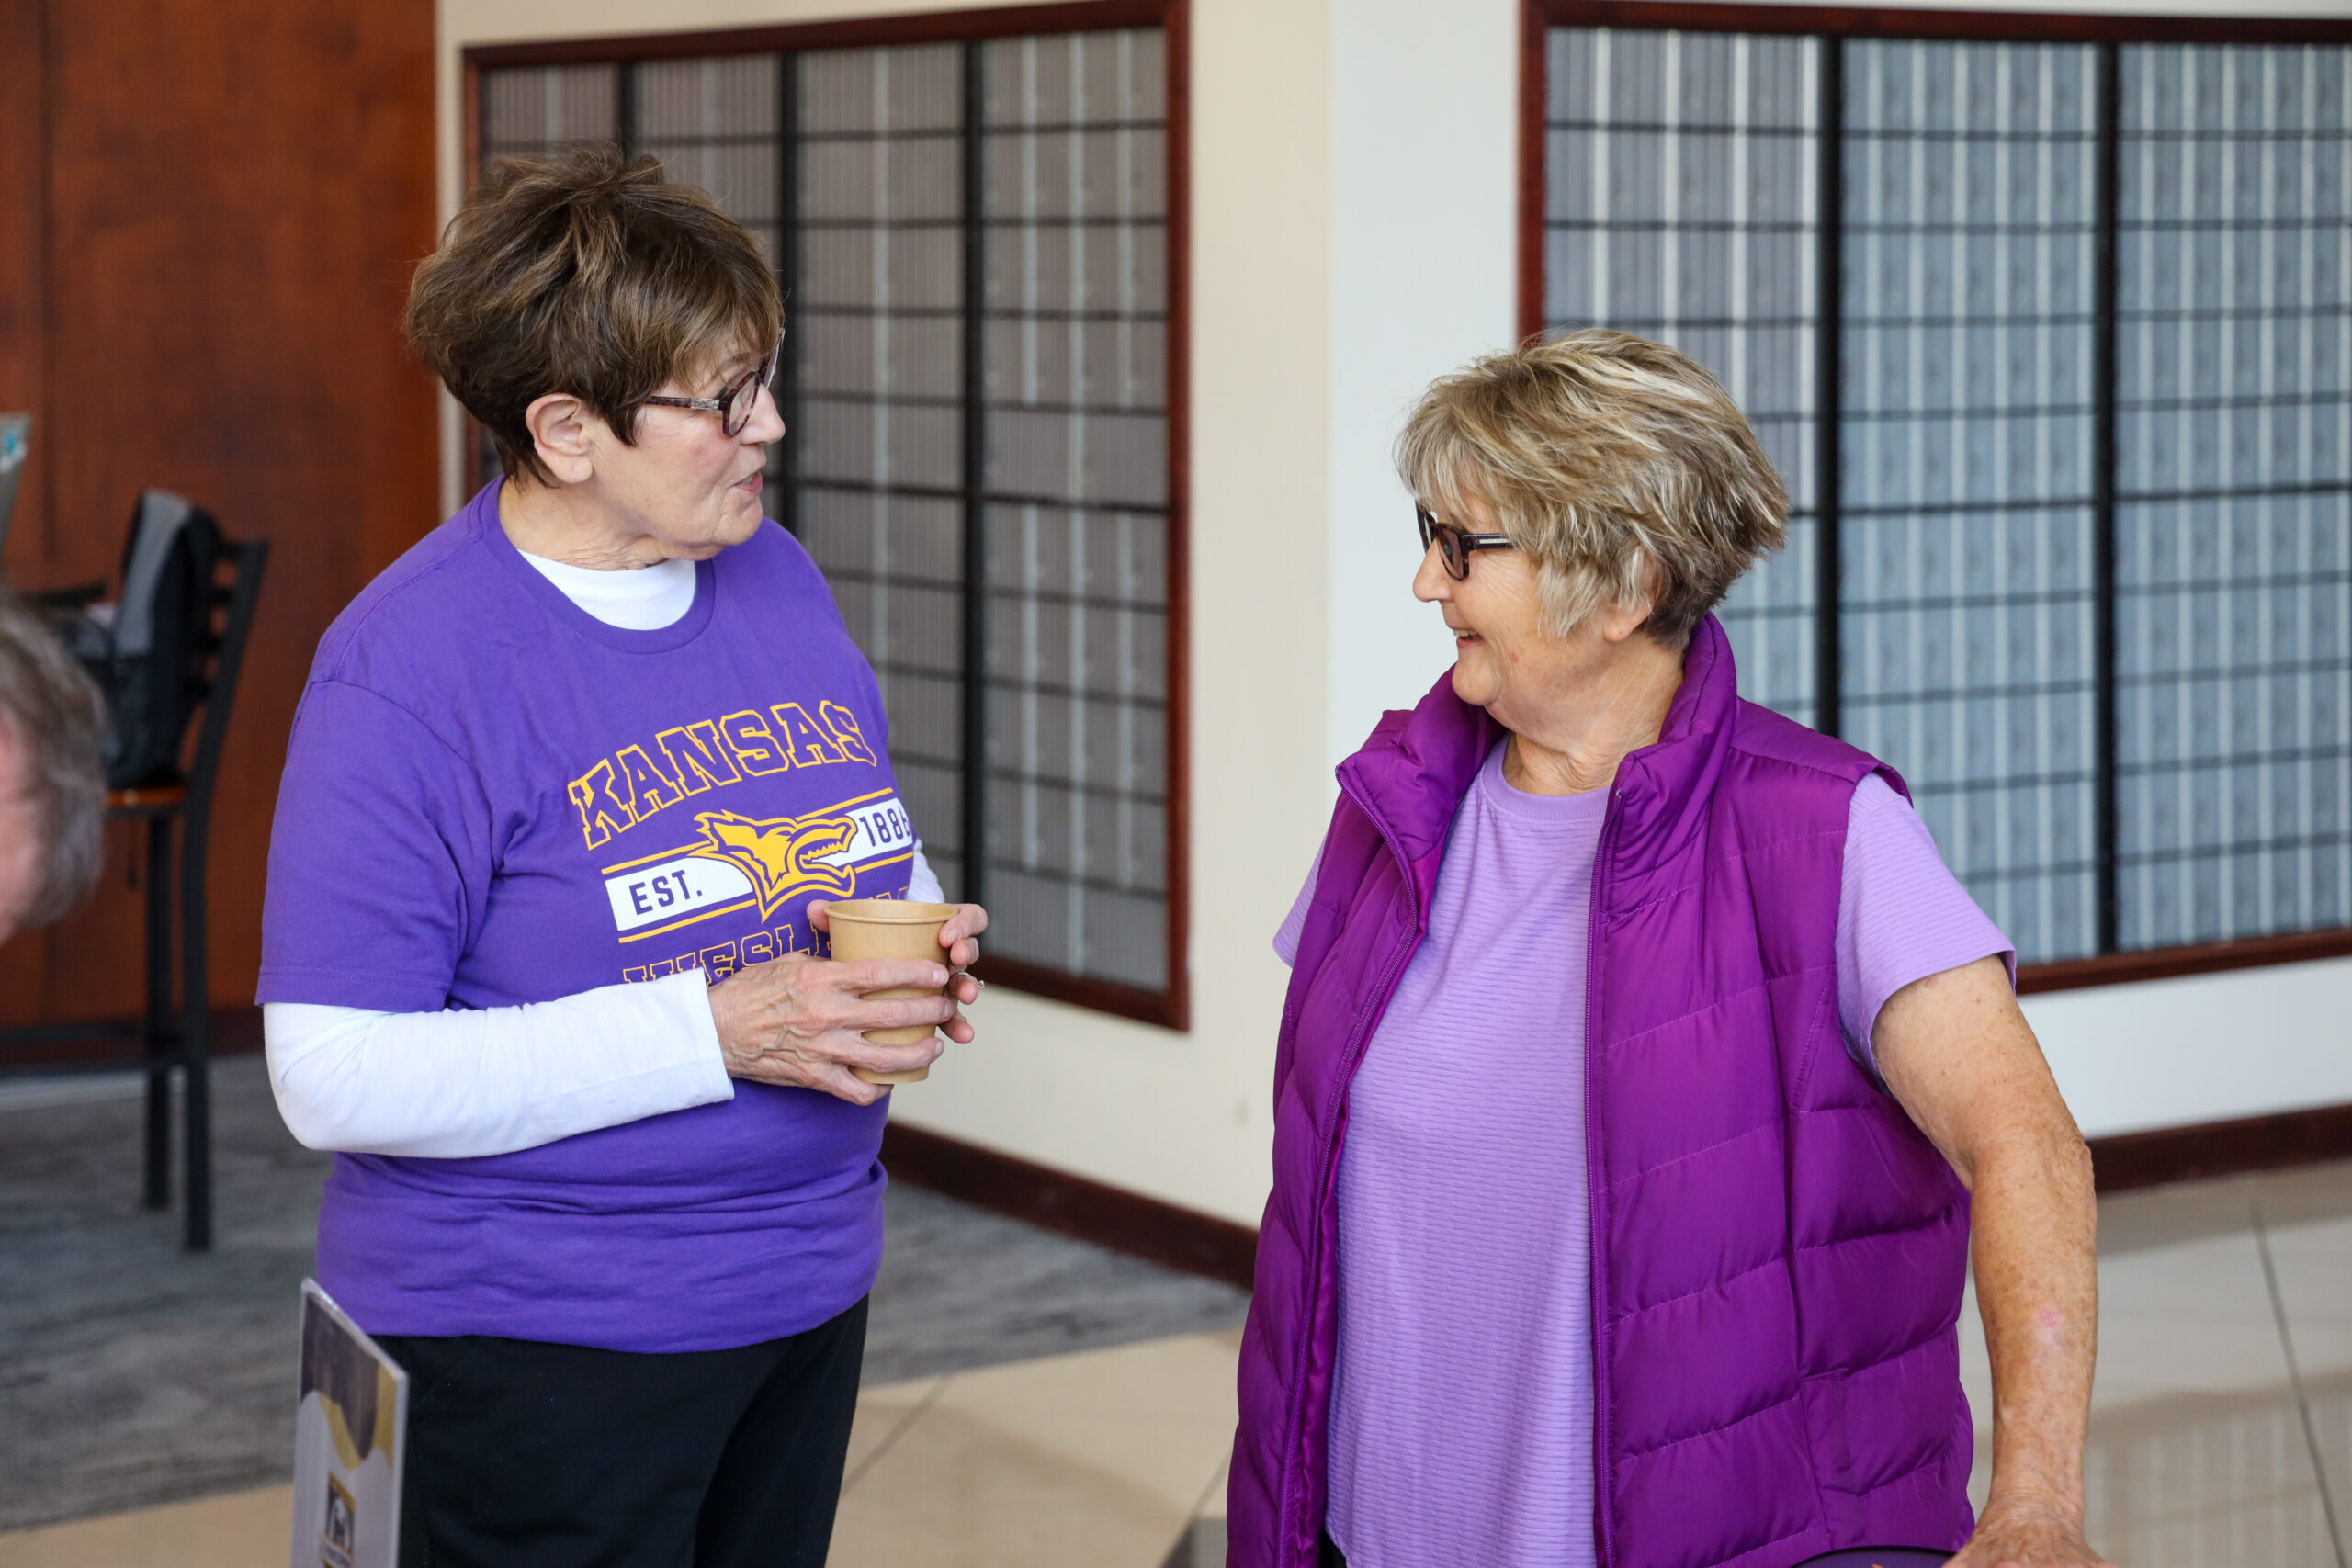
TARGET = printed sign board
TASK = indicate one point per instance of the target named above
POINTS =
(349, 1429)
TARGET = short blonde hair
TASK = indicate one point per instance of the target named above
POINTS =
(1620, 466)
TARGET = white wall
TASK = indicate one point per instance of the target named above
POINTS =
(2207, 1048)
(1354, 213)
(1424, 274)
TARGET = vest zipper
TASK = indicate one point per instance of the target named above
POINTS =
(1596, 1194)
(1358, 1043)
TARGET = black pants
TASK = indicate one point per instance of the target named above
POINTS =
(1331, 1555)
(525, 1455)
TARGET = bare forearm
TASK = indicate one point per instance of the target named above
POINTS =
(1959, 1055)
(2037, 1286)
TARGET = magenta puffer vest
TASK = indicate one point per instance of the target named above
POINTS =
(1776, 1253)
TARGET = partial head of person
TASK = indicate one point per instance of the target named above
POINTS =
(52, 773)
(614, 333)
(1582, 502)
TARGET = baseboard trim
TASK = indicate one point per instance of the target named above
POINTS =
(1126, 1221)
(1185, 1239)
(2222, 1148)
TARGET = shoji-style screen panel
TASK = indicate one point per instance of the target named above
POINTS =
(531, 111)
(975, 242)
(2234, 515)
(2082, 477)
(712, 123)
(1966, 527)
(537, 111)
(1682, 202)
(876, 317)
(1074, 159)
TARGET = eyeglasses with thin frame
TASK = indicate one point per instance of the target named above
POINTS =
(1454, 544)
(734, 404)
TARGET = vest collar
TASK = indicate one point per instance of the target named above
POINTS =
(1411, 776)
(1660, 799)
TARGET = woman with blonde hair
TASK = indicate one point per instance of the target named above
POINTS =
(1641, 1064)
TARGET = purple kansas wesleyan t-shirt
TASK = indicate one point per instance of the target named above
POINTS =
(1462, 1394)
(492, 798)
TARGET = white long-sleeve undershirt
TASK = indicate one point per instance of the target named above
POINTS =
(491, 1080)
(469, 1082)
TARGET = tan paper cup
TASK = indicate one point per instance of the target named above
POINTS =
(890, 927)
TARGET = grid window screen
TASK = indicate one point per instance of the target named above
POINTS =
(532, 111)
(536, 110)
(2234, 492)
(973, 239)
(1075, 476)
(1966, 485)
(2087, 531)
(876, 312)
(712, 123)
(1682, 202)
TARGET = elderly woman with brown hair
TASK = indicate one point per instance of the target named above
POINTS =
(1641, 1070)
(569, 791)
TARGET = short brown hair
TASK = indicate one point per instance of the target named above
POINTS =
(55, 721)
(1620, 465)
(586, 273)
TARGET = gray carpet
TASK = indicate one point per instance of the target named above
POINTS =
(132, 1374)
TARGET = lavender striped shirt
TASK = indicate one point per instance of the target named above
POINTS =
(1461, 1400)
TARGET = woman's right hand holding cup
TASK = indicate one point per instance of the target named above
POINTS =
(800, 1022)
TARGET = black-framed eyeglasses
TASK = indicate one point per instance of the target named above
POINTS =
(734, 404)
(1454, 544)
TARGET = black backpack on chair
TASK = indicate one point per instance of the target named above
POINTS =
(147, 649)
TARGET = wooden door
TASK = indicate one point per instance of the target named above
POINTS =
(209, 209)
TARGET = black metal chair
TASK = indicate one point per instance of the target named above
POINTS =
(176, 1030)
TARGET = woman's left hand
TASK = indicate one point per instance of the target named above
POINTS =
(2028, 1533)
(960, 936)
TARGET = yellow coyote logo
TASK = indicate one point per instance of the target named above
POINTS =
(780, 855)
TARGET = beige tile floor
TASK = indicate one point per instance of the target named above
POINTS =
(2222, 1423)
(1093, 1460)
(2201, 1455)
